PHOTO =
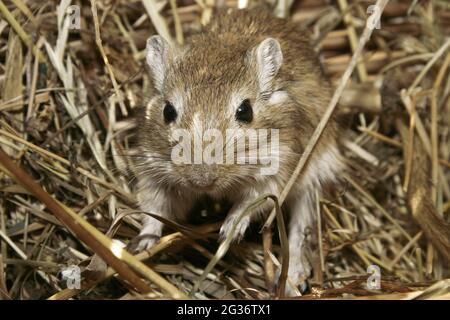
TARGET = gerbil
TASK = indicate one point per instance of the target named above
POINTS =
(247, 69)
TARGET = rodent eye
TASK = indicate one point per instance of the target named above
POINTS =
(170, 113)
(244, 112)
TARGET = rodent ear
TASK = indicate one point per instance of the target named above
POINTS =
(158, 55)
(269, 60)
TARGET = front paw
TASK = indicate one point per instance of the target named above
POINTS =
(142, 242)
(239, 232)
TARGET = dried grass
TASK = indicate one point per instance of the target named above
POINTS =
(66, 100)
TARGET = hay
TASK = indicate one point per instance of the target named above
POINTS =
(66, 102)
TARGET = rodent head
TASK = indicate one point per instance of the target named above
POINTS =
(222, 84)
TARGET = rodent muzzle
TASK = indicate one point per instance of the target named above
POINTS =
(202, 176)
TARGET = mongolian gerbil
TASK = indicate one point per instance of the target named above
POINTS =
(246, 70)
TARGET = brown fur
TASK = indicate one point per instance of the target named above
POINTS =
(212, 65)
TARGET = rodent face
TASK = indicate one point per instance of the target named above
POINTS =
(198, 90)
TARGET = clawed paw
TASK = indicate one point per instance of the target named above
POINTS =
(239, 232)
(142, 242)
(292, 288)
(297, 280)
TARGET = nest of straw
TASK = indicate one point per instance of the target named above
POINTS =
(67, 98)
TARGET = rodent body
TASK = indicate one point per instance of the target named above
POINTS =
(263, 66)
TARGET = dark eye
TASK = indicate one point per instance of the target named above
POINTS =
(170, 114)
(245, 113)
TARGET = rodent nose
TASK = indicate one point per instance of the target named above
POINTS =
(203, 179)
